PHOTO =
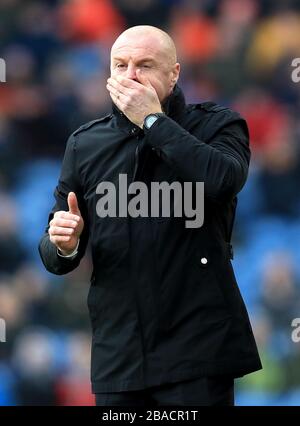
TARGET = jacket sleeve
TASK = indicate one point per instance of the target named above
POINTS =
(68, 181)
(221, 162)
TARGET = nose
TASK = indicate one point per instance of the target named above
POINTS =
(131, 71)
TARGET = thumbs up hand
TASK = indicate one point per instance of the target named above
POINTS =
(66, 227)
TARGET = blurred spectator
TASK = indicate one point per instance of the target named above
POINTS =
(291, 369)
(196, 35)
(277, 36)
(280, 169)
(266, 118)
(235, 27)
(34, 363)
(12, 253)
(146, 12)
(12, 311)
(89, 20)
(279, 290)
(73, 387)
(9, 10)
(36, 31)
(271, 378)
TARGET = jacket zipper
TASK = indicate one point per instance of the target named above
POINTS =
(136, 162)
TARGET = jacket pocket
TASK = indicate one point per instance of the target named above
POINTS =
(208, 285)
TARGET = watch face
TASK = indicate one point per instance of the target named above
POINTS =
(150, 120)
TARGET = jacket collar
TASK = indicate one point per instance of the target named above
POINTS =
(173, 106)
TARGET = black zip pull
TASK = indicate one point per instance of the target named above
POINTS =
(136, 162)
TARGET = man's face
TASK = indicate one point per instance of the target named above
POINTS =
(148, 55)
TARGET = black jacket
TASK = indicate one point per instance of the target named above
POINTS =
(159, 313)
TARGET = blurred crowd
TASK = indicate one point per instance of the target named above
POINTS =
(234, 52)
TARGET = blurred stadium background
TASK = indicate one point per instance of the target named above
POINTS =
(235, 52)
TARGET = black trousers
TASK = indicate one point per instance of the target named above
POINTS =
(208, 391)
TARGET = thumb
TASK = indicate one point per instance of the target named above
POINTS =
(143, 79)
(73, 204)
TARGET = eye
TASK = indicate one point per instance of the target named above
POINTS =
(120, 66)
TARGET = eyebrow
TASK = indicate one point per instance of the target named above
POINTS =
(146, 59)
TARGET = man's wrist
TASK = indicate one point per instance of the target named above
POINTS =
(151, 118)
(71, 255)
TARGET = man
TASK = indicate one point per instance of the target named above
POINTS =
(169, 324)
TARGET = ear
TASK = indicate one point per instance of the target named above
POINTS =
(175, 74)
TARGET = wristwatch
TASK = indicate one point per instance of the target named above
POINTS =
(151, 119)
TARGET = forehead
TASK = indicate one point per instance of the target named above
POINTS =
(138, 48)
